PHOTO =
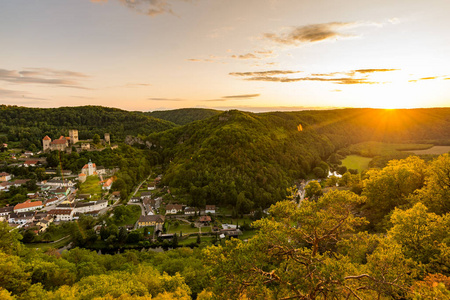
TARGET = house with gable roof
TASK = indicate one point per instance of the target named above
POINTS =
(28, 206)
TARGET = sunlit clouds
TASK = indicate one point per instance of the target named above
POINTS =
(61, 78)
(148, 7)
(349, 77)
(229, 54)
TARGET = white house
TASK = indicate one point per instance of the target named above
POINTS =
(210, 209)
(5, 176)
(84, 207)
(65, 214)
(28, 206)
(173, 209)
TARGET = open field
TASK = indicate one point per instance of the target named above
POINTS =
(184, 228)
(357, 162)
(45, 246)
(91, 186)
(372, 149)
(436, 150)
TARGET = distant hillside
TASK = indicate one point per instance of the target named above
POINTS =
(349, 126)
(238, 155)
(185, 115)
(29, 125)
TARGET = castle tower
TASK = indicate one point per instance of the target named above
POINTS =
(46, 143)
(73, 134)
(90, 168)
(107, 138)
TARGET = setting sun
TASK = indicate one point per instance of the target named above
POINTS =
(250, 55)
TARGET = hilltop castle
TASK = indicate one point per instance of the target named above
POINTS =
(62, 143)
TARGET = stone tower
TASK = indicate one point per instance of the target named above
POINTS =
(73, 134)
(90, 168)
(46, 143)
(107, 138)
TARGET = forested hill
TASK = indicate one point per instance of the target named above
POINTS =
(348, 126)
(184, 116)
(237, 156)
(30, 125)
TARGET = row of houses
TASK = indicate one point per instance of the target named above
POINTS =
(71, 211)
(5, 186)
(173, 209)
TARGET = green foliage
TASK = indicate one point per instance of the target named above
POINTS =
(313, 190)
(218, 158)
(356, 162)
(390, 187)
(436, 192)
(420, 233)
(27, 126)
(372, 148)
(125, 215)
(183, 116)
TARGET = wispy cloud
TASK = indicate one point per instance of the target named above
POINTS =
(222, 99)
(444, 77)
(263, 109)
(61, 78)
(264, 73)
(360, 76)
(263, 54)
(4, 94)
(245, 56)
(316, 33)
(148, 7)
(200, 60)
(245, 96)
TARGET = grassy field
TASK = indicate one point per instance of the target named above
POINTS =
(372, 149)
(356, 162)
(45, 246)
(436, 150)
(91, 186)
(184, 228)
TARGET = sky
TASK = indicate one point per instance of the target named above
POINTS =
(253, 55)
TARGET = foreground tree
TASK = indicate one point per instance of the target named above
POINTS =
(391, 187)
(293, 256)
(436, 192)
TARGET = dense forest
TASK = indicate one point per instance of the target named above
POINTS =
(249, 160)
(317, 249)
(183, 116)
(239, 158)
(27, 126)
(232, 158)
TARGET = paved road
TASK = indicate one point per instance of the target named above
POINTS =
(143, 212)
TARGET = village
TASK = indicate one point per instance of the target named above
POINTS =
(67, 197)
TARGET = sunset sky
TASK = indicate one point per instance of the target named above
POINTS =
(255, 55)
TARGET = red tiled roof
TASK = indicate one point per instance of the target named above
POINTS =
(4, 174)
(31, 162)
(60, 141)
(28, 204)
(82, 174)
(176, 206)
(46, 138)
(205, 219)
(86, 166)
(108, 182)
